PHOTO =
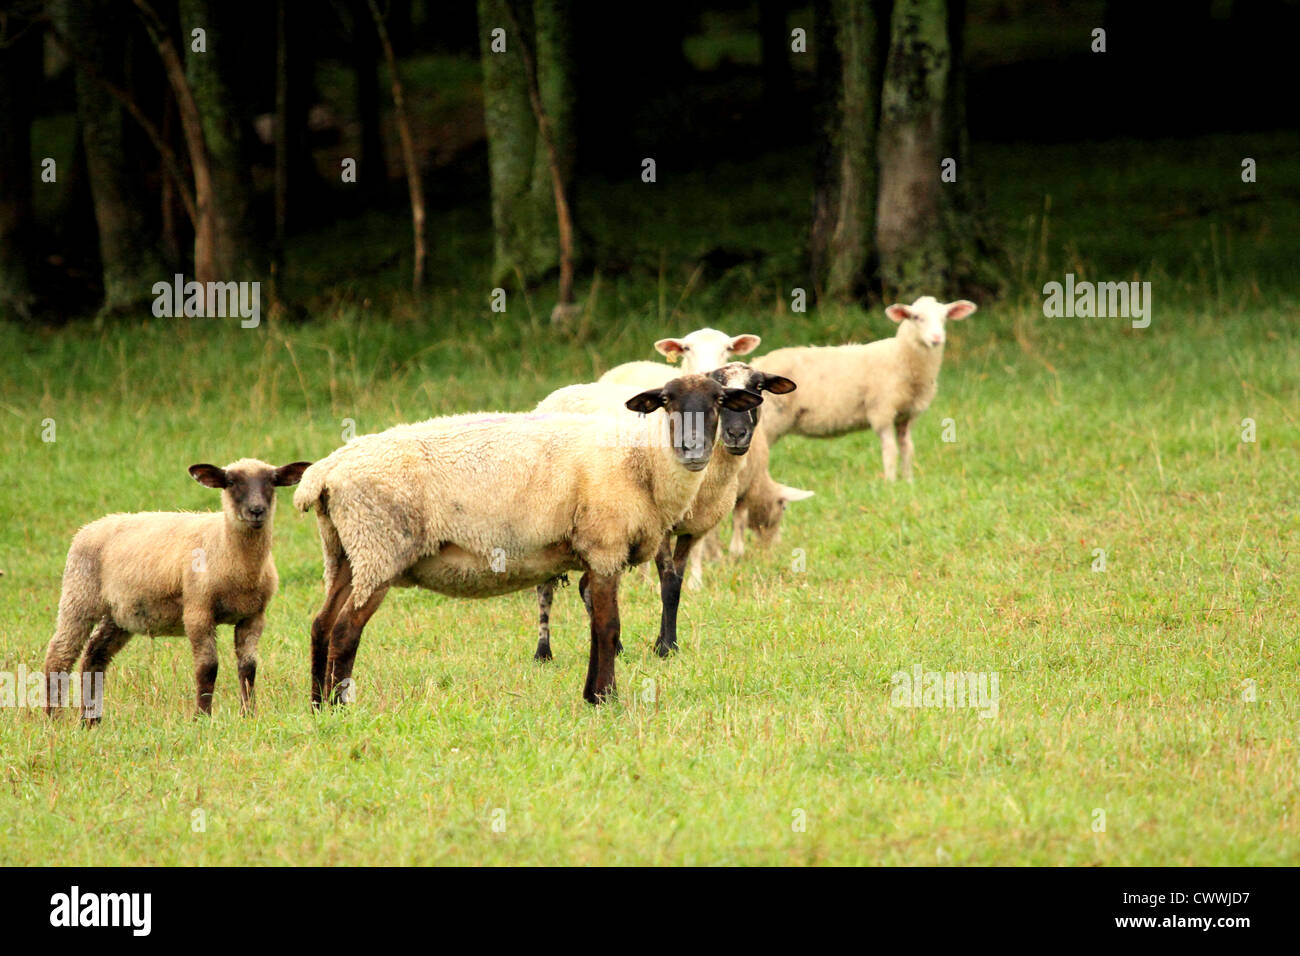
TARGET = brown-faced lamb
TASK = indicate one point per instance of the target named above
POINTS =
(174, 573)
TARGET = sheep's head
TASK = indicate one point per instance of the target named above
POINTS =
(248, 488)
(737, 428)
(926, 319)
(767, 508)
(693, 404)
(706, 349)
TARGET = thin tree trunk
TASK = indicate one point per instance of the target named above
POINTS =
(129, 260)
(844, 205)
(414, 184)
(550, 32)
(910, 226)
(525, 218)
(236, 254)
(205, 253)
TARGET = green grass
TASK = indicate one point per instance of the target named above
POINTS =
(1122, 691)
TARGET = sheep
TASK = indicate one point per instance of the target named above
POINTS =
(172, 573)
(700, 352)
(715, 497)
(480, 505)
(760, 500)
(884, 385)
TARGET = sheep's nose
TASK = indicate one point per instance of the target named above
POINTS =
(257, 511)
(735, 435)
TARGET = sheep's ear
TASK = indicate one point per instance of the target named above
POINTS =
(741, 399)
(672, 349)
(646, 402)
(961, 308)
(210, 476)
(777, 384)
(898, 312)
(289, 474)
(744, 344)
(794, 494)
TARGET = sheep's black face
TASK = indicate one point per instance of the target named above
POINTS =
(737, 427)
(693, 404)
(248, 487)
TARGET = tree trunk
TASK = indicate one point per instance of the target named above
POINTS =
(415, 186)
(910, 226)
(849, 65)
(524, 212)
(237, 255)
(20, 74)
(130, 261)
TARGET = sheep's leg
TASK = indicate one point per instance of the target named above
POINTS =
(545, 595)
(600, 685)
(695, 580)
(202, 632)
(889, 451)
(671, 564)
(339, 592)
(584, 590)
(905, 446)
(739, 522)
(711, 546)
(670, 592)
(105, 642)
(247, 634)
(70, 636)
(344, 639)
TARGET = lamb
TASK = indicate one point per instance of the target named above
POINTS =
(700, 352)
(716, 495)
(480, 505)
(884, 385)
(172, 573)
(760, 501)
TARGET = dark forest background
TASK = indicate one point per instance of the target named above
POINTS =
(224, 154)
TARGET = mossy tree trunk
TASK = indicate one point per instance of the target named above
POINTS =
(128, 245)
(525, 227)
(849, 49)
(20, 72)
(931, 234)
(910, 222)
(237, 251)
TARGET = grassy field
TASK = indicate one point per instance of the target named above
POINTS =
(1161, 690)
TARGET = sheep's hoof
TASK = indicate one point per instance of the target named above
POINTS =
(618, 645)
(694, 583)
(663, 648)
(543, 654)
(89, 723)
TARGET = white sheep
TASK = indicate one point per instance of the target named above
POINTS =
(172, 573)
(714, 499)
(883, 385)
(701, 351)
(479, 505)
(760, 500)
